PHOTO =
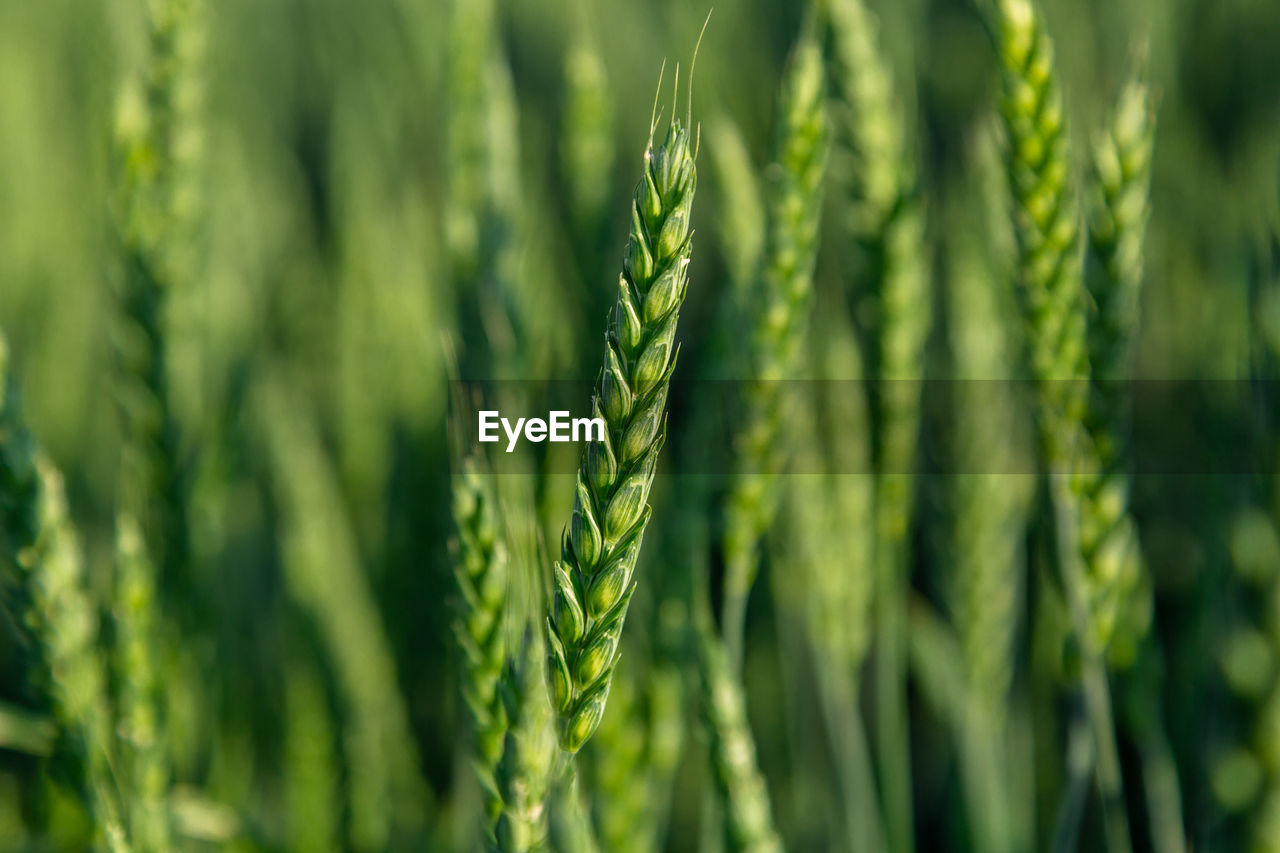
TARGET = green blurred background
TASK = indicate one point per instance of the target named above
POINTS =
(324, 267)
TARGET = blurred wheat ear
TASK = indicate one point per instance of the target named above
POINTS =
(988, 502)
(144, 761)
(777, 311)
(743, 796)
(48, 594)
(1052, 290)
(1118, 210)
(480, 569)
(525, 775)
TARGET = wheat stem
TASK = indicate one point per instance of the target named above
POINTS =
(741, 223)
(829, 563)
(888, 222)
(158, 140)
(471, 38)
(741, 233)
(988, 502)
(311, 791)
(322, 570)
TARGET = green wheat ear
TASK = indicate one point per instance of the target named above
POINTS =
(1051, 281)
(988, 504)
(744, 797)
(1046, 222)
(157, 147)
(49, 596)
(480, 568)
(601, 543)
(524, 776)
(621, 777)
(141, 725)
(1118, 209)
(779, 315)
(588, 152)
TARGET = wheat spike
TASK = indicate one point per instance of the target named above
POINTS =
(49, 597)
(601, 543)
(145, 762)
(1051, 285)
(480, 568)
(524, 776)
(779, 312)
(1117, 217)
(744, 798)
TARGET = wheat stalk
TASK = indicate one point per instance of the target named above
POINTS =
(833, 515)
(1118, 209)
(637, 750)
(480, 569)
(488, 230)
(601, 543)
(740, 229)
(322, 570)
(990, 496)
(826, 565)
(779, 314)
(158, 141)
(633, 755)
(311, 790)
(1046, 222)
(988, 499)
(889, 224)
(65, 621)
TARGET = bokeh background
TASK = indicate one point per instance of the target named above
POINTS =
(311, 348)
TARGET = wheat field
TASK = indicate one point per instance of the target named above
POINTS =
(928, 355)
